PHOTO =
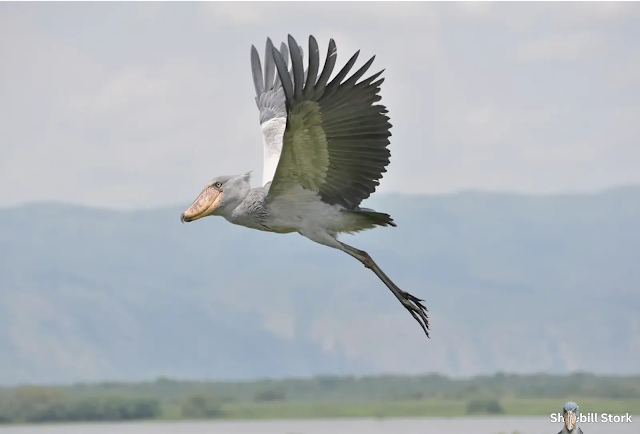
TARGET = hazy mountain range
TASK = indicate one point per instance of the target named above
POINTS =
(513, 283)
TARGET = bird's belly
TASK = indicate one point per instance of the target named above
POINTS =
(281, 230)
(267, 226)
(286, 215)
(284, 224)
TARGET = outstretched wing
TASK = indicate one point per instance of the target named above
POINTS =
(336, 137)
(271, 103)
(270, 100)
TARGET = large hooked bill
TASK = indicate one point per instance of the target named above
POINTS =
(204, 205)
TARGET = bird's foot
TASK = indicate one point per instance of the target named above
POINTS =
(415, 307)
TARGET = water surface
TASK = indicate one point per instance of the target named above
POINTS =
(504, 425)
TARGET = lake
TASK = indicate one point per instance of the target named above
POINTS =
(505, 425)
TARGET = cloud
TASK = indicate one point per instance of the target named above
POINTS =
(261, 13)
(126, 88)
(522, 18)
(128, 105)
(563, 48)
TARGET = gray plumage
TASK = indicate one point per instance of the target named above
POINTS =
(269, 95)
(576, 430)
(325, 151)
(571, 407)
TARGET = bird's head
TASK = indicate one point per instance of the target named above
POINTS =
(570, 413)
(220, 196)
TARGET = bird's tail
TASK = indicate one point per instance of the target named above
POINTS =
(373, 217)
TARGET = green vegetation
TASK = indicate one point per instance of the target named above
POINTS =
(484, 406)
(269, 395)
(323, 396)
(43, 404)
(201, 407)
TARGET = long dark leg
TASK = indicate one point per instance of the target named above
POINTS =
(411, 303)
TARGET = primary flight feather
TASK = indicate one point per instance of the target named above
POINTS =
(325, 151)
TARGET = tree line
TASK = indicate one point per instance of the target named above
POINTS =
(43, 404)
(115, 401)
(385, 387)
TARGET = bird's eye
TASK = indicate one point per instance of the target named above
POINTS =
(217, 185)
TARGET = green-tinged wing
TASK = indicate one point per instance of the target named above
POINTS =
(336, 137)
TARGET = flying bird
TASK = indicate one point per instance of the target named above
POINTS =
(325, 150)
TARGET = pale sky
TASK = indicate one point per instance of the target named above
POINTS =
(133, 105)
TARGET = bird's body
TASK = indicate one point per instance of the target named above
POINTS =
(570, 415)
(576, 430)
(325, 150)
(298, 211)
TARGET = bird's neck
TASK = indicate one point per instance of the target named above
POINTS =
(232, 206)
(250, 211)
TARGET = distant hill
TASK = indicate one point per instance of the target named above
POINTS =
(513, 283)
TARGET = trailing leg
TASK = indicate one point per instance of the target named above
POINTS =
(410, 302)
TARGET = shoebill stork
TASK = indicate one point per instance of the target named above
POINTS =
(325, 150)
(570, 414)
